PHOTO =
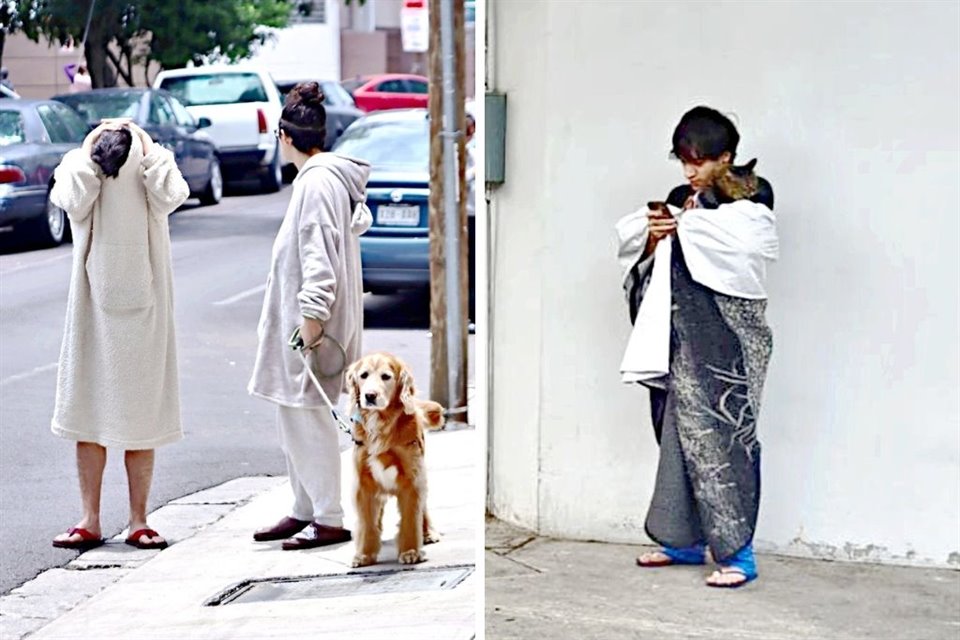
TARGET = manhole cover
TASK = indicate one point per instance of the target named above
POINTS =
(342, 584)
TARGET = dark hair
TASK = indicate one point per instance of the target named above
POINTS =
(110, 151)
(303, 118)
(704, 134)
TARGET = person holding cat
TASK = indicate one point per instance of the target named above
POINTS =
(694, 272)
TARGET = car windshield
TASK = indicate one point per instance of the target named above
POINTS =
(94, 106)
(216, 88)
(11, 128)
(400, 145)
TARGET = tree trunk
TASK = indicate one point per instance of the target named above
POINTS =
(439, 383)
(95, 52)
(126, 74)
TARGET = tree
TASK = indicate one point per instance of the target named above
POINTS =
(11, 21)
(125, 33)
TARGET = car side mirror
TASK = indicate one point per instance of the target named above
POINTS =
(203, 123)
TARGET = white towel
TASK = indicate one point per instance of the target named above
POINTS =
(725, 249)
(648, 352)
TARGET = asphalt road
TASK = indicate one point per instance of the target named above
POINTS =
(220, 260)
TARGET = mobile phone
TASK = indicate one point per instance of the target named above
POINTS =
(659, 206)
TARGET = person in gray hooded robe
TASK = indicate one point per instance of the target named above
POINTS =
(316, 285)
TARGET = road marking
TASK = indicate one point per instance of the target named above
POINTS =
(27, 374)
(39, 263)
(240, 296)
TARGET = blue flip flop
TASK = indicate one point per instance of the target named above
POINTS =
(742, 563)
(687, 555)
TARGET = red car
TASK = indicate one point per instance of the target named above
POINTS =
(388, 91)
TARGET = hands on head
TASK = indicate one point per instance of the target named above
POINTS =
(112, 124)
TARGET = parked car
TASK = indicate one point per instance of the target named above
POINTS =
(34, 136)
(388, 91)
(340, 107)
(244, 105)
(395, 252)
(168, 122)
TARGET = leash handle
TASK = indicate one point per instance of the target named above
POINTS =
(341, 423)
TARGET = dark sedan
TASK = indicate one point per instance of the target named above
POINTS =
(168, 122)
(34, 136)
(395, 252)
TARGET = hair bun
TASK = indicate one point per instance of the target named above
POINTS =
(307, 93)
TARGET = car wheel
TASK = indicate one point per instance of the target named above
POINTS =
(273, 179)
(214, 191)
(51, 229)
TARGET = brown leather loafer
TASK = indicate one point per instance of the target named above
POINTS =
(317, 535)
(282, 530)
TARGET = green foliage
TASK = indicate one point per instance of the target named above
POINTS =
(182, 32)
(176, 31)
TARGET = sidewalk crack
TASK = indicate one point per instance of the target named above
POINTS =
(519, 546)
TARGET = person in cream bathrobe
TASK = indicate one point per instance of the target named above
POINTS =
(117, 382)
(316, 285)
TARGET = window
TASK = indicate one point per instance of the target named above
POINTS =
(398, 145)
(94, 106)
(216, 88)
(335, 95)
(418, 86)
(392, 86)
(184, 119)
(160, 111)
(309, 11)
(56, 130)
(11, 128)
(74, 123)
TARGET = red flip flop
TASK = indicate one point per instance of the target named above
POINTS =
(134, 540)
(86, 542)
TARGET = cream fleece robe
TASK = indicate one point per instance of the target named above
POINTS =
(117, 383)
(315, 272)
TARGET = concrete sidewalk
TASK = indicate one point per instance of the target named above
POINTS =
(212, 558)
(543, 588)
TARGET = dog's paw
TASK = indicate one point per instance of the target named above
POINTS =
(411, 556)
(363, 560)
(430, 537)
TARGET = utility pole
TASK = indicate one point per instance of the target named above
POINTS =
(448, 266)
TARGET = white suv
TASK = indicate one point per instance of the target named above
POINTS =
(243, 105)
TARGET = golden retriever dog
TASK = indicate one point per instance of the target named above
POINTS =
(389, 427)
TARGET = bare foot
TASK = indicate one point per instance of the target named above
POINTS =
(727, 577)
(654, 559)
(145, 540)
(73, 538)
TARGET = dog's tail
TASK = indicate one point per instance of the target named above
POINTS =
(433, 414)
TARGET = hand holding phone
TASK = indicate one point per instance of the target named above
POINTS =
(660, 221)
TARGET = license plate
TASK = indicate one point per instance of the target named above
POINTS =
(398, 215)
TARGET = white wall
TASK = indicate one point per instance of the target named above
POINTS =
(852, 110)
(305, 51)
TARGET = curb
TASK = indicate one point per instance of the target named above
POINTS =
(55, 592)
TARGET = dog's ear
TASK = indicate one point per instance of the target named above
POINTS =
(407, 390)
(353, 386)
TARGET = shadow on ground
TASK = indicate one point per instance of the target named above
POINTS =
(401, 310)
